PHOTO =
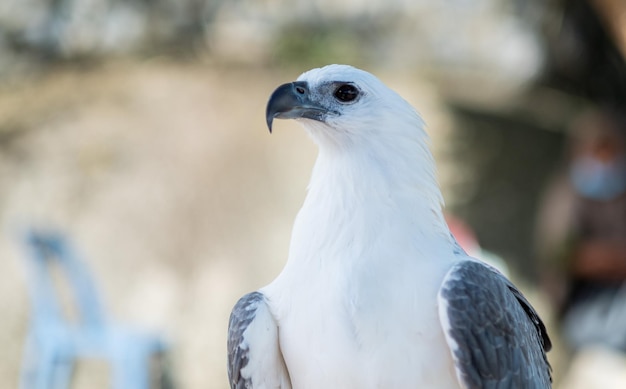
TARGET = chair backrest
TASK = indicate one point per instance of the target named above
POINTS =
(43, 250)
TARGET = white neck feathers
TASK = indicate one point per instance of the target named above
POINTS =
(372, 188)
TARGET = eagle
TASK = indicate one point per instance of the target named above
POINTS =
(376, 292)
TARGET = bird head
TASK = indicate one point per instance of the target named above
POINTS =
(372, 143)
(367, 134)
(342, 105)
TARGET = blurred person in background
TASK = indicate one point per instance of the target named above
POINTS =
(582, 234)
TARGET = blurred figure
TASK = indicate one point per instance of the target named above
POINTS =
(582, 235)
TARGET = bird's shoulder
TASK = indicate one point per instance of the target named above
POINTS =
(254, 356)
(495, 335)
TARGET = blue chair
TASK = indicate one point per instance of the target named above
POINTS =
(55, 343)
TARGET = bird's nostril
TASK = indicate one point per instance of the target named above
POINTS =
(300, 90)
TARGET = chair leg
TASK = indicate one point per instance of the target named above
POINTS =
(132, 370)
(28, 370)
(63, 372)
(43, 368)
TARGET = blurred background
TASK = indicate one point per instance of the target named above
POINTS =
(136, 128)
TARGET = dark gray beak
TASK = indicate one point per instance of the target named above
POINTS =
(292, 101)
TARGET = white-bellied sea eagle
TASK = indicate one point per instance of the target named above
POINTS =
(376, 293)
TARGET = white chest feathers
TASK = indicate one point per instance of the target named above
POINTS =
(372, 324)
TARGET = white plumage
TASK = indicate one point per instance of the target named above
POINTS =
(371, 294)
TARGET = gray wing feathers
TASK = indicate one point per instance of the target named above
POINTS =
(496, 337)
(254, 357)
(240, 318)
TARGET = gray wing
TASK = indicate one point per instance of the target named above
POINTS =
(254, 357)
(496, 337)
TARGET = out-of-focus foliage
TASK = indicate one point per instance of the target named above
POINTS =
(346, 41)
(35, 32)
(485, 36)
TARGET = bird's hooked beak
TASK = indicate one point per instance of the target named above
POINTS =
(292, 101)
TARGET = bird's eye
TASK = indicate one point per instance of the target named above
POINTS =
(346, 93)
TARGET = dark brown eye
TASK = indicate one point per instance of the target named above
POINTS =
(346, 93)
